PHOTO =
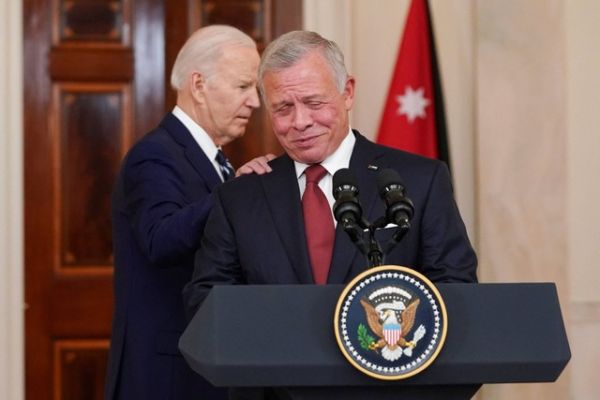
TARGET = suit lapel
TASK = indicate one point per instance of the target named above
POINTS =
(364, 164)
(345, 254)
(283, 199)
(192, 150)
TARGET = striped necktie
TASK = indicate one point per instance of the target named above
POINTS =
(225, 166)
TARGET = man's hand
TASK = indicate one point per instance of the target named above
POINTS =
(258, 165)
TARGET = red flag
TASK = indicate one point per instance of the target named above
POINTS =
(413, 117)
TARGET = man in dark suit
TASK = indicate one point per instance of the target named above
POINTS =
(257, 232)
(160, 205)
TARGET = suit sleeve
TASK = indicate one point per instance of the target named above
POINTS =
(167, 225)
(217, 260)
(446, 252)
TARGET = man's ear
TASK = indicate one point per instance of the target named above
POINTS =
(197, 86)
(348, 92)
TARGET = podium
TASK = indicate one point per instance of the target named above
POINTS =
(282, 336)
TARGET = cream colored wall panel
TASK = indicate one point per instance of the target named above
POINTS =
(584, 331)
(453, 25)
(521, 140)
(522, 160)
(583, 65)
(11, 203)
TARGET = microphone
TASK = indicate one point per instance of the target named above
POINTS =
(399, 208)
(346, 209)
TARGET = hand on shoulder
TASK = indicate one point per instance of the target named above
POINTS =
(258, 165)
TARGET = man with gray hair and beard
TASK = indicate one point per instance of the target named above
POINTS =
(160, 204)
(278, 228)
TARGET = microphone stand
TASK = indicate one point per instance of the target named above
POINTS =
(401, 230)
(371, 247)
(375, 255)
(354, 231)
(347, 211)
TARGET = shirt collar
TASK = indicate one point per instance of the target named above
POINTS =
(200, 136)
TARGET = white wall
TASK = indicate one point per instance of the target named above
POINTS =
(583, 78)
(583, 191)
(521, 155)
(11, 202)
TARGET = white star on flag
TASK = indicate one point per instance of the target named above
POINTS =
(412, 103)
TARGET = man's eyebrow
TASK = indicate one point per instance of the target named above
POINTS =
(313, 97)
(246, 79)
(280, 103)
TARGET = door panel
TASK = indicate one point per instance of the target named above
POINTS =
(79, 368)
(92, 131)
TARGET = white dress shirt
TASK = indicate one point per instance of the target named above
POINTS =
(339, 159)
(201, 137)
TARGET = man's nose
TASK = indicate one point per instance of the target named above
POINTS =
(253, 100)
(302, 118)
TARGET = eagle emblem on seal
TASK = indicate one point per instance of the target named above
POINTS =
(390, 314)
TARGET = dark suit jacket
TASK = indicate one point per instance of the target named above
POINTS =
(255, 233)
(160, 205)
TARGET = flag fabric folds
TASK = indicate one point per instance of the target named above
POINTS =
(413, 117)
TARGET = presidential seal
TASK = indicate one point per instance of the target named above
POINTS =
(390, 322)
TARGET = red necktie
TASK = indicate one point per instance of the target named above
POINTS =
(318, 224)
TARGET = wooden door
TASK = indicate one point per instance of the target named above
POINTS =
(86, 101)
(95, 80)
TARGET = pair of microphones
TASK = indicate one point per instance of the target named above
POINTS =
(348, 212)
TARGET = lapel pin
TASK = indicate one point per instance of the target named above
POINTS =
(372, 167)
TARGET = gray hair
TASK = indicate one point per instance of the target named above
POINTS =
(288, 49)
(202, 50)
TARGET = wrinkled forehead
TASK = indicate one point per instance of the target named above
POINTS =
(311, 70)
(313, 59)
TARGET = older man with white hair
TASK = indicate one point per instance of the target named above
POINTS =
(161, 201)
